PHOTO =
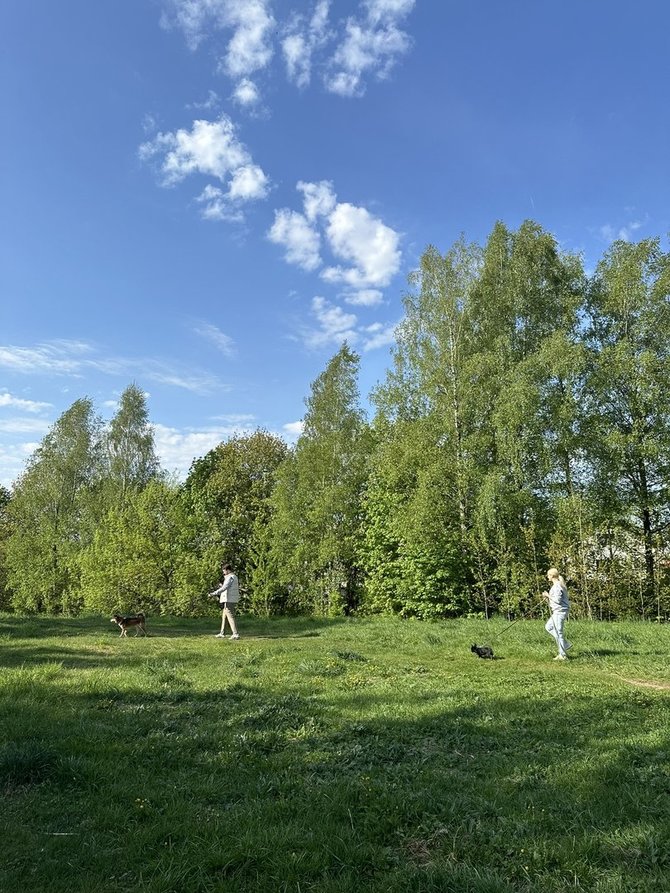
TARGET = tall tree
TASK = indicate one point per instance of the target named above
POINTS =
(143, 558)
(50, 514)
(628, 384)
(130, 457)
(5, 593)
(316, 525)
(464, 427)
(229, 490)
(419, 498)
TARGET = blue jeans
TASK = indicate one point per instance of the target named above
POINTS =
(554, 627)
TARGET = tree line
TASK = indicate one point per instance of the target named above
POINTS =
(524, 421)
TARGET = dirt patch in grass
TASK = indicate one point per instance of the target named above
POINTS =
(644, 683)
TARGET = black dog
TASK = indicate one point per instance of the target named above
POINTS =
(482, 651)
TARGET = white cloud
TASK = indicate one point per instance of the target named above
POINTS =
(211, 102)
(293, 430)
(22, 425)
(624, 233)
(7, 399)
(303, 38)
(75, 358)
(219, 339)
(210, 148)
(382, 10)
(13, 460)
(335, 326)
(366, 297)
(365, 45)
(301, 241)
(216, 205)
(248, 183)
(364, 241)
(319, 199)
(177, 448)
(378, 335)
(197, 383)
(246, 93)
(250, 46)
(240, 419)
(372, 44)
(369, 248)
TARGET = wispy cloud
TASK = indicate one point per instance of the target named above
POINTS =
(209, 149)
(349, 52)
(379, 335)
(304, 36)
(13, 458)
(334, 325)
(246, 93)
(293, 430)
(178, 447)
(219, 339)
(625, 233)
(249, 48)
(76, 359)
(208, 104)
(59, 357)
(372, 44)
(23, 425)
(7, 399)
(368, 248)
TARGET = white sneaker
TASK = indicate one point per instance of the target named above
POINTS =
(219, 636)
(235, 636)
(561, 657)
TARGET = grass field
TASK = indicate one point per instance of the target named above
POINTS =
(333, 756)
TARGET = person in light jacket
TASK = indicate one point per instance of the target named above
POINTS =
(228, 594)
(557, 598)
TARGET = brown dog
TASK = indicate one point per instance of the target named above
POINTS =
(125, 622)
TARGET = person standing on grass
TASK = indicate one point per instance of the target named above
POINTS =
(557, 598)
(229, 595)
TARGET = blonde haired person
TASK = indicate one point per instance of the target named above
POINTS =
(557, 598)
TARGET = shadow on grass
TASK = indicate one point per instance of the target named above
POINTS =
(68, 627)
(335, 792)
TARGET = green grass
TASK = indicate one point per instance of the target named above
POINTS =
(333, 756)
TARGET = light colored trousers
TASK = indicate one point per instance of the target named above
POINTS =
(228, 613)
(554, 627)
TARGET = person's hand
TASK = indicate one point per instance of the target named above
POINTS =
(545, 595)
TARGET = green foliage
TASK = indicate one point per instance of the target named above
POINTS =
(50, 516)
(143, 558)
(627, 387)
(130, 461)
(524, 423)
(5, 591)
(229, 491)
(315, 526)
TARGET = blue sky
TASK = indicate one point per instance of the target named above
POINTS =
(207, 196)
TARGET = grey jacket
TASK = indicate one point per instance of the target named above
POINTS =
(229, 590)
(558, 597)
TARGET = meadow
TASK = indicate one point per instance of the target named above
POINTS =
(333, 756)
